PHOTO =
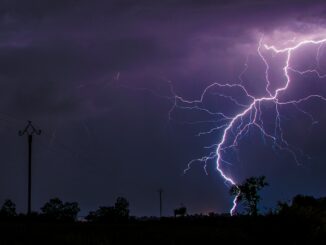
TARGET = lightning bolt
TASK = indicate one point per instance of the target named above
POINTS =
(234, 127)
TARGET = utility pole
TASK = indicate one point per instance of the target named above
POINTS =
(29, 131)
(160, 191)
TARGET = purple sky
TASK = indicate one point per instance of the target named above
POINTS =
(75, 69)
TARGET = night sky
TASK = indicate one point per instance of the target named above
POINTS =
(96, 77)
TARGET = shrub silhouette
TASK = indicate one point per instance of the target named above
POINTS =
(248, 193)
(118, 213)
(310, 211)
(8, 209)
(180, 212)
(55, 209)
(306, 206)
(121, 207)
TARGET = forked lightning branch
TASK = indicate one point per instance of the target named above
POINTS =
(233, 127)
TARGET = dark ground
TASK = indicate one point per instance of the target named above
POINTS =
(187, 230)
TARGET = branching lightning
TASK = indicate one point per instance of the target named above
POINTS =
(235, 126)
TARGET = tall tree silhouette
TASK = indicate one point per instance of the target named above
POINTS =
(248, 193)
(121, 207)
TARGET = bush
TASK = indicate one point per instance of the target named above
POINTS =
(8, 209)
(118, 213)
(55, 209)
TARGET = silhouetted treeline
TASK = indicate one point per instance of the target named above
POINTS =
(53, 210)
(300, 221)
(307, 209)
(117, 213)
(56, 210)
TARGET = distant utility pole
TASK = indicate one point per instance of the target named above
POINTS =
(29, 131)
(160, 191)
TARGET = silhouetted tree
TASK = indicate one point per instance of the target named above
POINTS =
(307, 206)
(71, 210)
(55, 209)
(309, 212)
(180, 212)
(248, 193)
(102, 214)
(8, 209)
(119, 212)
(121, 207)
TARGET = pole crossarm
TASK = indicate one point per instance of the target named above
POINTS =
(29, 130)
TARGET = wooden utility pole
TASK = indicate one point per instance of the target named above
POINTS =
(160, 191)
(29, 131)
